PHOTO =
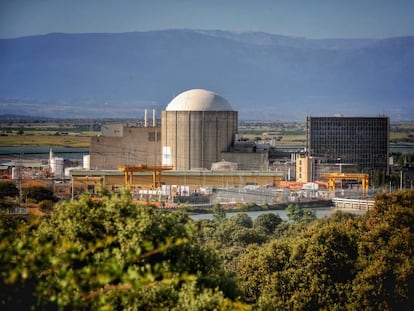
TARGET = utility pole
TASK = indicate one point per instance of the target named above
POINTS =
(72, 190)
(19, 168)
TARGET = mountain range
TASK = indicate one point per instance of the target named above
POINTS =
(264, 76)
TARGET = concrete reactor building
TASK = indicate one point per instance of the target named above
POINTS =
(196, 127)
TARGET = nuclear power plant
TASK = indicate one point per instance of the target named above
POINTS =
(196, 145)
(198, 128)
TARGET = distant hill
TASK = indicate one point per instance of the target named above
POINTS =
(264, 76)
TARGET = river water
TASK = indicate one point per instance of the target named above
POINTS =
(320, 213)
(71, 153)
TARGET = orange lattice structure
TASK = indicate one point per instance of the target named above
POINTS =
(332, 177)
(347, 176)
(155, 169)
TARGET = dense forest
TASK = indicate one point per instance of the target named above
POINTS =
(116, 255)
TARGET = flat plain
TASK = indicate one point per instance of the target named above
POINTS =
(78, 133)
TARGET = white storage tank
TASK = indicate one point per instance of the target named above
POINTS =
(15, 172)
(57, 166)
(87, 162)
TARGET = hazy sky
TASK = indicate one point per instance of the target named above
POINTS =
(305, 18)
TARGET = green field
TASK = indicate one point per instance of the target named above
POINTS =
(66, 133)
(77, 133)
(45, 140)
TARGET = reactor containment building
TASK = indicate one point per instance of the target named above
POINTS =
(196, 127)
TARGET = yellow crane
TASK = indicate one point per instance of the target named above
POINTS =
(155, 169)
(332, 177)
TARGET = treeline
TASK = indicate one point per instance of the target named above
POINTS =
(115, 255)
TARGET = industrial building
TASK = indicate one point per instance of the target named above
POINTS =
(195, 180)
(121, 144)
(196, 127)
(198, 130)
(360, 141)
(311, 169)
(196, 142)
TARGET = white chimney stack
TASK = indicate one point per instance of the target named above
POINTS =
(146, 118)
(154, 121)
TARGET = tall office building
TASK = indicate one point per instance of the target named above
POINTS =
(362, 141)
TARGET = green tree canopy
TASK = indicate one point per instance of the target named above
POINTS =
(219, 214)
(112, 254)
(386, 254)
(337, 263)
(267, 222)
(242, 220)
(39, 193)
(296, 213)
(8, 189)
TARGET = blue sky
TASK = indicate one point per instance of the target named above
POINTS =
(304, 18)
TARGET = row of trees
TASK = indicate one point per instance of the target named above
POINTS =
(36, 192)
(37, 195)
(113, 254)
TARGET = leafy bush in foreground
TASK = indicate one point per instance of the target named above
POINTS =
(338, 263)
(108, 254)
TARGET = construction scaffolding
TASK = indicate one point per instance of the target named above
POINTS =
(155, 169)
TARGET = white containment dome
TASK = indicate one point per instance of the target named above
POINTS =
(196, 126)
(199, 100)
